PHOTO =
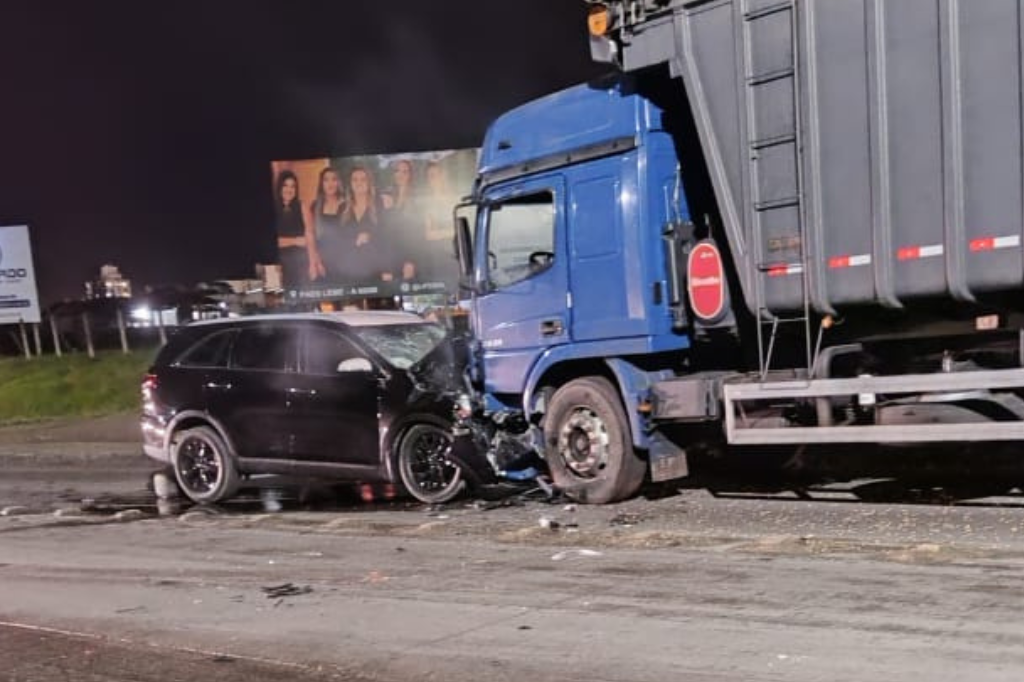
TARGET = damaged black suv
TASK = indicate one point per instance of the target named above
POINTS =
(354, 396)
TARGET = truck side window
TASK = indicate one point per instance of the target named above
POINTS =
(520, 238)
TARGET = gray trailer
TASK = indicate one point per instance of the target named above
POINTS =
(866, 162)
(871, 148)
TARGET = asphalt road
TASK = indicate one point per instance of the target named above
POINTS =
(720, 580)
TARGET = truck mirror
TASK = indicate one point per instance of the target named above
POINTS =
(463, 250)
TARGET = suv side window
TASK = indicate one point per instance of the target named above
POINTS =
(265, 348)
(521, 238)
(209, 351)
(325, 350)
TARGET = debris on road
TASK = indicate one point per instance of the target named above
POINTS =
(200, 512)
(626, 519)
(548, 523)
(270, 498)
(164, 486)
(286, 590)
(375, 577)
(129, 515)
(572, 553)
(131, 609)
(489, 505)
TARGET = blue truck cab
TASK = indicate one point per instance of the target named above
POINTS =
(571, 276)
(854, 273)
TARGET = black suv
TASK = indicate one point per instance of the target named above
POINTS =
(358, 397)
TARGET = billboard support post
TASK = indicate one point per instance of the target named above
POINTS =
(160, 326)
(35, 336)
(24, 340)
(56, 336)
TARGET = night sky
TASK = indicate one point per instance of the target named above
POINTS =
(140, 133)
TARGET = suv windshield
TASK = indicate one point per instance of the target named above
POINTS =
(402, 345)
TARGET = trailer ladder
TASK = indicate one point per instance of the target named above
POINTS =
(771, 99)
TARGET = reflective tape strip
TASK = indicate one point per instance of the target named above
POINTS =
(783, 270)
(992, 243)
(915, 252)
(849, 261)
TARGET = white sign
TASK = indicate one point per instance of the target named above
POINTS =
(19, 300)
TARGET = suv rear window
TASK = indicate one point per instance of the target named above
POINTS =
(211, 351)
(266, 348)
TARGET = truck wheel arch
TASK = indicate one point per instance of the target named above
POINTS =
(630, 382)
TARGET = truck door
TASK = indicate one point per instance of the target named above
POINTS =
(522, 271)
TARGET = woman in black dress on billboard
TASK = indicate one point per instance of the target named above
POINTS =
(357, 253)
(402, 218)
(291, 230)
(325, 215)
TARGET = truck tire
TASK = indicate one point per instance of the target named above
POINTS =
(203, 467)
(588, 446)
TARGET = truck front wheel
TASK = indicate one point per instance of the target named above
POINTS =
(588, 446)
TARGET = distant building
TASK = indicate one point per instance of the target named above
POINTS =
(235, 296)
(270, 275)
(246, 296)
(110, 284)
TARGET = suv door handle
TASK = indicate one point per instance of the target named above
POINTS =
(218, 386)
(302, 391)
(551, 328)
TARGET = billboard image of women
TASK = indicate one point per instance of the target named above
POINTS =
(369, 225)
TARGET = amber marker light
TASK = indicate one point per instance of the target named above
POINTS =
(598, 20)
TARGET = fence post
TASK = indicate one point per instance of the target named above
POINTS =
(120, 328)
(88, 335)
(56, 336)
(160, 326)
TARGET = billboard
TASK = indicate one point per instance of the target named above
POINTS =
(19, 300)
(369, 226)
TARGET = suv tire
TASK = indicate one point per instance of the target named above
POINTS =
(203, 467)
(423, 464)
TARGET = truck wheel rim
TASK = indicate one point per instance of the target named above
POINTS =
(198, 465)
(583, 443)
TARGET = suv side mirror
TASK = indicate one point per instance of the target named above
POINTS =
(355, 365)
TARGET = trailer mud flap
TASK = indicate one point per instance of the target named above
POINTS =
(668, 460)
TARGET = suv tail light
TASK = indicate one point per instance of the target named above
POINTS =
(149, 382)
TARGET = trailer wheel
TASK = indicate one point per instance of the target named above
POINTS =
(588, 446)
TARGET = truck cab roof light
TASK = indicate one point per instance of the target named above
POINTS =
(598, 20)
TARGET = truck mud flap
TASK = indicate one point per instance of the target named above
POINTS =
(668, 460)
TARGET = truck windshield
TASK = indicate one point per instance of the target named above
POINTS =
(520, 238)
